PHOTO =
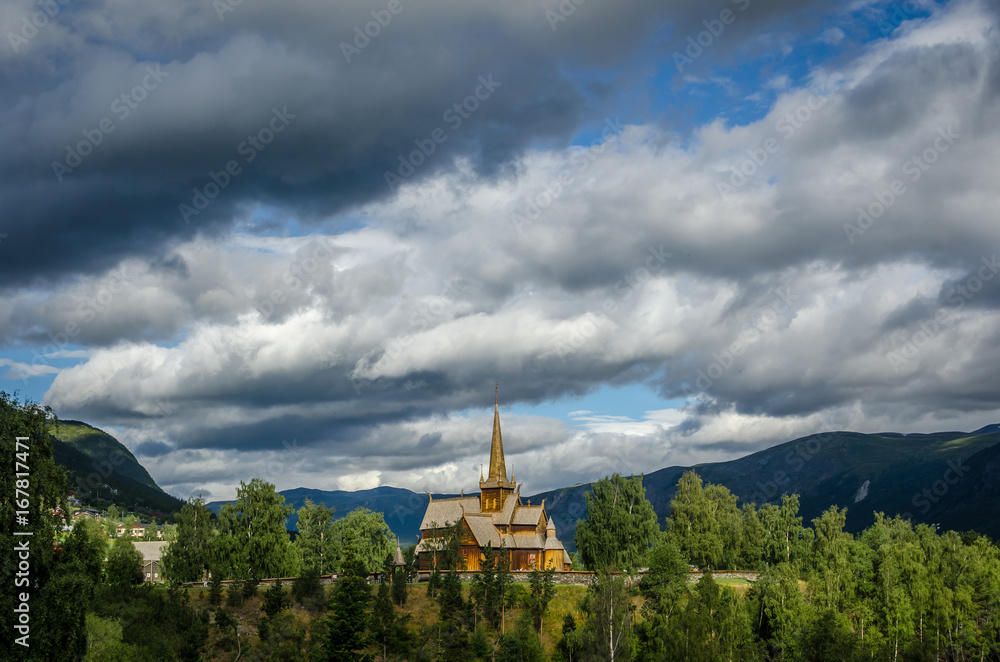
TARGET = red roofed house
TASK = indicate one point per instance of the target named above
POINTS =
(497, 517)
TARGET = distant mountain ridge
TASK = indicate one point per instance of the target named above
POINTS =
(93, 458)
(948, 478)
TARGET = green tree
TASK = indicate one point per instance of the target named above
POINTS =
(104, 641)
(609, 618)
(520, 644)
(389, 628)
(348, 626)
(485, 591)
(258, 545)
(571, 644)
(363, 536)
(225, 622)
(665, 583)
(316, 544)
(42, 490)
(308, 590)
(190, 556)
(691, 523)
(275, 602)
(399, 586)
(124, 564)
(620, 526)
(832, 583)
(540, 593)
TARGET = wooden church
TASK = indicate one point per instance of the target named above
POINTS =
(497, 517)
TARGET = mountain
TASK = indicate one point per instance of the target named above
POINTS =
(93, 458)
(948, 478)
(401, 508)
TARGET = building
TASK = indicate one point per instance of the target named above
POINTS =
(496, 517)
(152, 552)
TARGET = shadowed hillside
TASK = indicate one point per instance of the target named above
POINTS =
(949, 478)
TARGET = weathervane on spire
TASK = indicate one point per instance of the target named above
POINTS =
(496, 395)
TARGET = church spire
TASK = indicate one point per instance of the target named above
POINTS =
(498, 468)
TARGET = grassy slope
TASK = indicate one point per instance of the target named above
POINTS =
(423, 611)
(89, 455)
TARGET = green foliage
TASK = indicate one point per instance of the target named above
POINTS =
(433, 582)
(450, 597)
(308, 591)
(571, 644)
(249, 588)
(284, 640)
(620, 526)
(124, 564)
(399, 586)
(191, 555)
(521, 644)
(104, 641)
(485, 591)
(348, 626)
(215, 591)
(609, 627)
(276, 600)
(540, 593)
(363, 536)
(255, 541)
(234, 596)
(665, 582)
(387, 627)
(316, 544)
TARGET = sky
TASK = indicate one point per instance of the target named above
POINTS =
(304, 241)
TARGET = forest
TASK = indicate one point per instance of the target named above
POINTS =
(893, 592)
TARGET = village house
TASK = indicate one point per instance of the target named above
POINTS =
(496, 517)
(152, 553)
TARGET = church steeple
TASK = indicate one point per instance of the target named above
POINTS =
(497, 476)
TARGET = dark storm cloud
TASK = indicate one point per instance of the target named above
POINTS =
(180, 88)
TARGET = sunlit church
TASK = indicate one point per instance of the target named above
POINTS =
(497, 517)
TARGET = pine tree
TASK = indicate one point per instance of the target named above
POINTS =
(348, 626)
(540, 593)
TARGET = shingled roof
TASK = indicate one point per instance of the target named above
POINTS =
(442, 512)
